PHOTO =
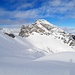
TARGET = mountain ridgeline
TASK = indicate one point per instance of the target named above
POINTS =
(45, 28)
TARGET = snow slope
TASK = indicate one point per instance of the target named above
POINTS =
(16, 49)
(38, 68)
(48, 43)
(62, 56)
(19, 57)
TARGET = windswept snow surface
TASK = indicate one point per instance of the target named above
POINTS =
(63, 56)
(38, 68)
(26, 56)
(16, 49)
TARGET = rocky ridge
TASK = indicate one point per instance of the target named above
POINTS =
(45, 28)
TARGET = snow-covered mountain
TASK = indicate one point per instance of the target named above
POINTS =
(37, 49)
(41, 37)
(48, 37)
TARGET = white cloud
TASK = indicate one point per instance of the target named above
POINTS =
(27, 14)
(52, 8)
(70, 30)
(55, 3)
(24, 6)
(13, 22)
(60, 7)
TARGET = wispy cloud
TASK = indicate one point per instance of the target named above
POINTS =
(50, 8)
(13, 22)
(70, 30)
(25, 6)
(60, 7)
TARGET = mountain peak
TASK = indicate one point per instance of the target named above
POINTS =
(42, 21)
(39, 26)
(43, 27)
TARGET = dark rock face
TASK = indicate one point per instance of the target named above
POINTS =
(11, 35)
(73, 36)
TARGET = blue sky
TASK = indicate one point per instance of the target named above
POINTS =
(14, 13)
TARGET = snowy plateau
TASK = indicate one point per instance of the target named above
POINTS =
(37, 49)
